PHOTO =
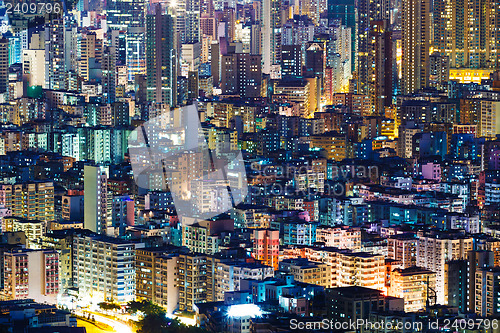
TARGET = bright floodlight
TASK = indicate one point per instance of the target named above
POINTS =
(244, 310)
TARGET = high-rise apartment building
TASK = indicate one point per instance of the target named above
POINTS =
(109, 73)
(96, 199)
(198, 238)
(156, 277)
(489, 118)
(4, 65)
(62, 242)
(90, 50)
(122, 14)
(103, 268)
(477, 261)
(291, 61)
(458, 280)
(33, 229)
(465, 281)
(340, 237)
(315, 59)
(190, 58)
(415, 45)
(187, 24)
(439, 70)
(405, 141)
(191, 22)
(128, 16)
(121, 213)
(55, 68)
(403, 248)
(34, 67)
(345, 12)
(368, 10)
(468, 32)
(359, 269)
(31, 201)
(434, 250)
(120, 114)
(195, 280)
(415, 285)
(488, 292)
(271, 34)
(348, 268)
(161, 58)
(380, 66)
(229, 274)
(339, 59)
(301, 92)
(266, 246)
(350, 304)
(31, 274)
(241, 74)
(333, 143)
(307, 271)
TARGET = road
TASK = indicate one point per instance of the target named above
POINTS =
(91, 328)
(118, 326)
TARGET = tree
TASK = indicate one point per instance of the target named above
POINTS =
(109, 306)
(159, 323)
(146, 307)
(155, 319)
(154, 323)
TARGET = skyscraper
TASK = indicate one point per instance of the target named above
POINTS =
(187, 13)
(96, 198)
(416, 45)
(55, 74)
(271, 34)
(192, 21)
(129, 16)
(368, 10)
(87, 49)
(108, 67)
(161, 57)
(345, 12)
(380, 66)
(4, 65)
(468, 32)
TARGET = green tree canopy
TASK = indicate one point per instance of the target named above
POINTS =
(109, 306)
(146, 307)
(155, 319)
(157, 323)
